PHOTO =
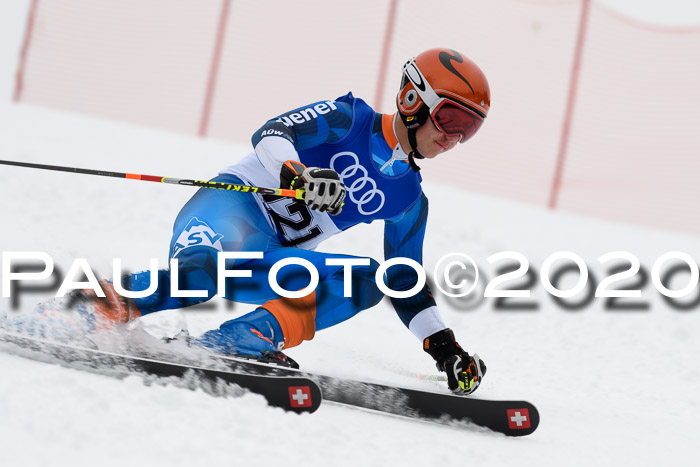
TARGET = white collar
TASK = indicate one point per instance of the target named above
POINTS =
(399, 153)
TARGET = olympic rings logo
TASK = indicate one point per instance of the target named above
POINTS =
(359, 184)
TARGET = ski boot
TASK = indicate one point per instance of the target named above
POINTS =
(256, 336)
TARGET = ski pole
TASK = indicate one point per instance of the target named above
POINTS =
(298, 194)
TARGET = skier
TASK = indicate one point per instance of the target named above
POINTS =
(355, 166)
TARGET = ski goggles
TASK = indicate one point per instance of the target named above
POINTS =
(454, 119)
(449, 116)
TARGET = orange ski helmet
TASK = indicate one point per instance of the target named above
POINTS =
(449, 88)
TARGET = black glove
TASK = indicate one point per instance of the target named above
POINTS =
(323, 189)
(464, 372)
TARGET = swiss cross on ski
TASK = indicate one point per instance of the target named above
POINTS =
(299, 396)
(518, 419)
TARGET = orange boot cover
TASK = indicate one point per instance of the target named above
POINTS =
(296, 317)
(113, 309)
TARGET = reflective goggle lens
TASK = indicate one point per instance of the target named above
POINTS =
(454, 119)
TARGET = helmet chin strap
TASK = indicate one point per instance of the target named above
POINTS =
(414, 154)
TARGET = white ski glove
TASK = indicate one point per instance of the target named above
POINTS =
(323, 189)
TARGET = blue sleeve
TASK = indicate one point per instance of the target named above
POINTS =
(313, 125)
(403, 237)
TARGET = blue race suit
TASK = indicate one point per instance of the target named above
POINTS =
(347, 136)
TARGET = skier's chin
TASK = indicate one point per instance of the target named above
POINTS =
(433, 152)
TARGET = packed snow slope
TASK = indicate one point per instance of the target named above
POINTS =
(612, 387)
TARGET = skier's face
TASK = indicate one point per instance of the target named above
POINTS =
(431, 142)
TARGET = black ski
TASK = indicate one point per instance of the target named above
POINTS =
(279, 384)
(510, 417)
(295, 393)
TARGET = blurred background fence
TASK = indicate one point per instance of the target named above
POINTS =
(592, 112)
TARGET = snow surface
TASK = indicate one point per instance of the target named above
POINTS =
(612, 388)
